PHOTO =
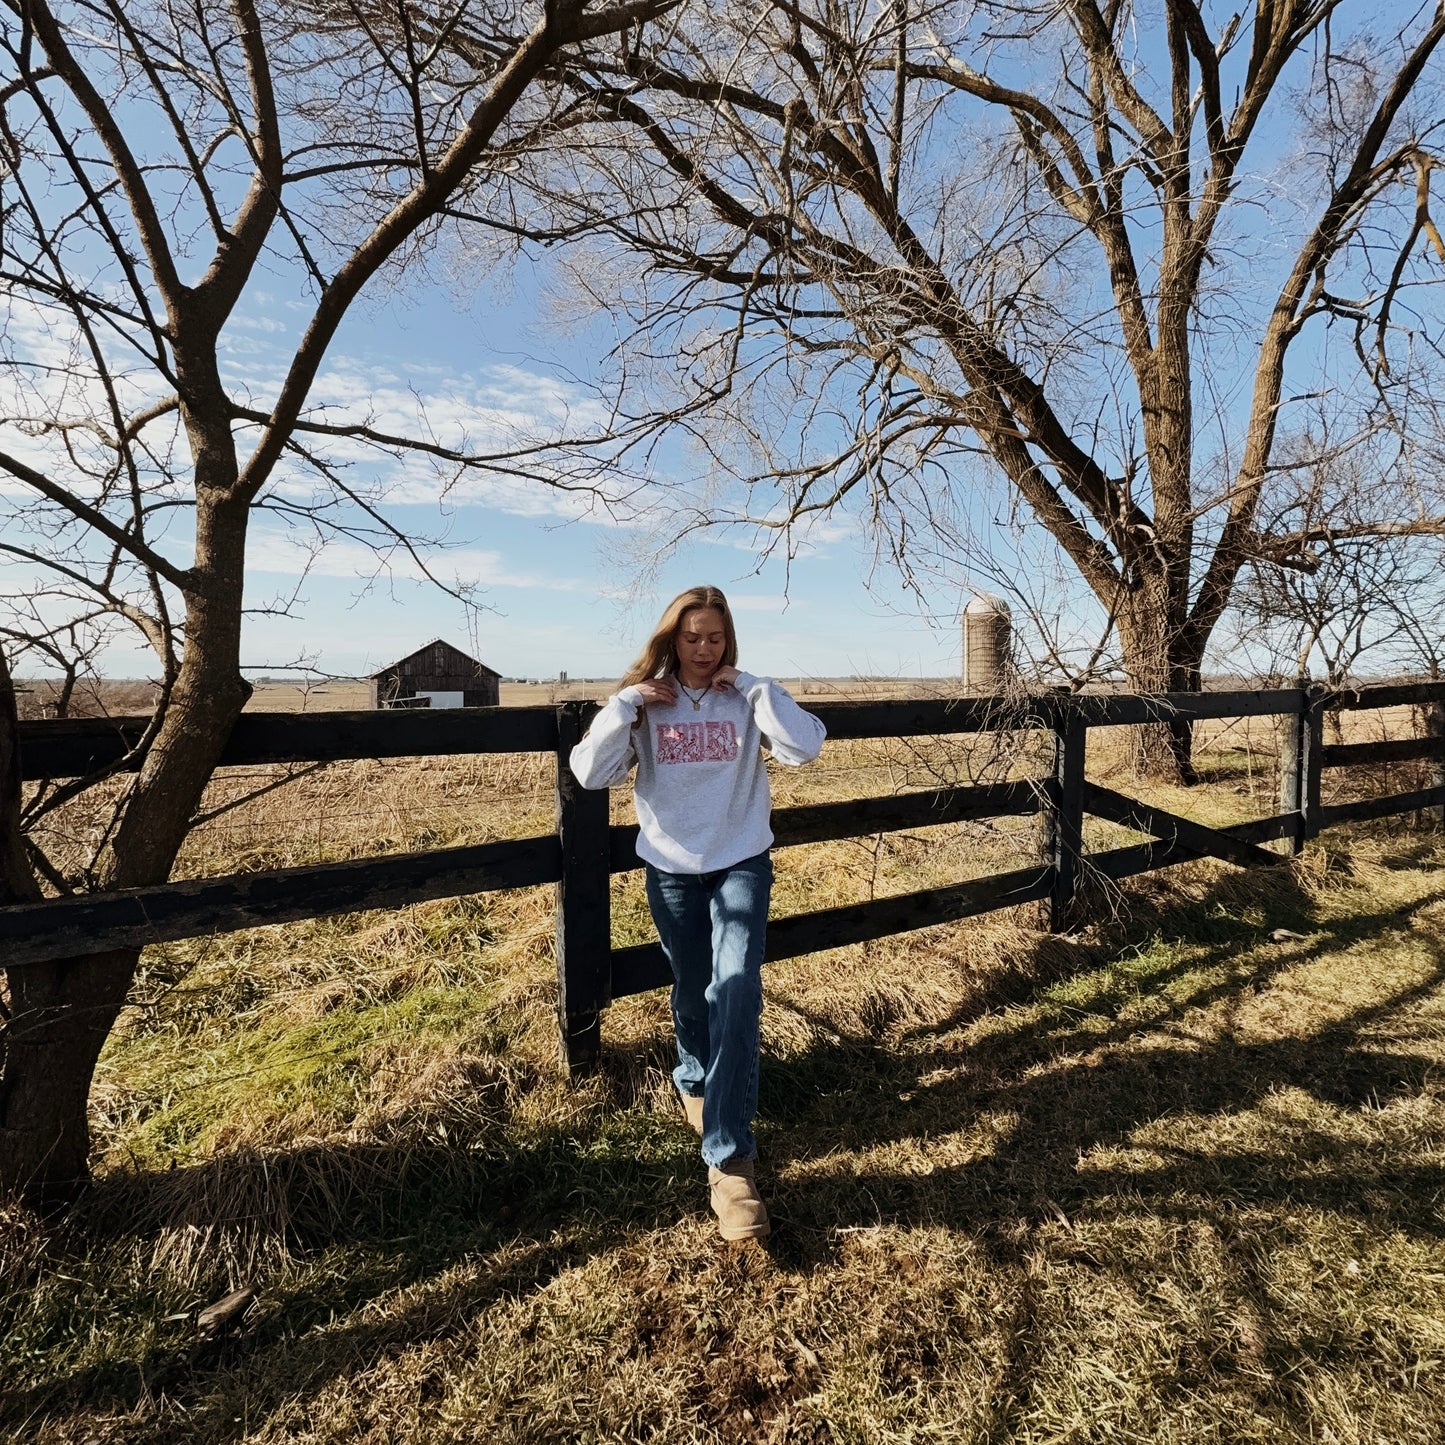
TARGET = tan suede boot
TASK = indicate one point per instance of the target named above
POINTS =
(740, 1211)
(692, 1107)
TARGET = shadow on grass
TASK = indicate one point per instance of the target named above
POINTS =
(458, 1225)
(1064, 1181)
(1081, 1079)
(446, 1229)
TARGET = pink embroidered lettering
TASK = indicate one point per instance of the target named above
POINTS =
(722, 742)
(696, 742)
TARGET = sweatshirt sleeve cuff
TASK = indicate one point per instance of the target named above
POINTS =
(632, 696)
(746, 681)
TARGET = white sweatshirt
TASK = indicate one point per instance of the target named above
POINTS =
(702, 789)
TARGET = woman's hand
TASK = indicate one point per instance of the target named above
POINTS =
(659, 690)
(724, 677)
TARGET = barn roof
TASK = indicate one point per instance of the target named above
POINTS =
(481, 667)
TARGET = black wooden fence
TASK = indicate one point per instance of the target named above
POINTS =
(585, 850)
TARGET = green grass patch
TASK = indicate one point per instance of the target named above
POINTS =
(1170, 1180)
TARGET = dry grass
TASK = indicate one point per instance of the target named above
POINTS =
(1166, 1180)
(346, 693)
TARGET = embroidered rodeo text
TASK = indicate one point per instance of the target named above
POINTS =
(697, 742)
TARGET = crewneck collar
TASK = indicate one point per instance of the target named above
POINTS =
(688, 694)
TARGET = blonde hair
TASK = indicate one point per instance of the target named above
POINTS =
(659, 656)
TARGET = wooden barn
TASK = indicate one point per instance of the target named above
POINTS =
(437, 675)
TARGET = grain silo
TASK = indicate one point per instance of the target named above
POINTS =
(987, 644)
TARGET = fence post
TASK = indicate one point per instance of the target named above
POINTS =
(1292, 747)
(584, 905)
(1435, 728)
(1064, 818)
(1301, 750)
(1317, 695)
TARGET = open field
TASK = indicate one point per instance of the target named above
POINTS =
(1166, 1180)
(341, 694)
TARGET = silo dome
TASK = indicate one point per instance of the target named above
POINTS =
(987, 643)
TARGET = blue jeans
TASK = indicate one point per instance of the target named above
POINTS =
(712, 927)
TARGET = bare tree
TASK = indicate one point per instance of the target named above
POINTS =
(1344, 585)
(1345, 598)
(159, 165)
(893, 253)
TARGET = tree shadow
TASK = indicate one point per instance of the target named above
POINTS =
(446, 1229)
(454, 1227)
(1082, 1082)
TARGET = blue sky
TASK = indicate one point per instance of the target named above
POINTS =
(562, 587)
(474, 355)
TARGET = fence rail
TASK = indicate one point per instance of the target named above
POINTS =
(77, 746)
(585, 849)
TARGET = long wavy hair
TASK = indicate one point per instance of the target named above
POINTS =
(659, 656)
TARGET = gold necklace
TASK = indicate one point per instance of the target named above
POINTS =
(696, 701)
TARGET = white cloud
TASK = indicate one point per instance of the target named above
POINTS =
(274, 553)
(53, 409)
(770, 602)
(500, 410)
(494, 410)
(254, 321)
(810, 533)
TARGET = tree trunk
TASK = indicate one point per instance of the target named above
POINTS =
(55, 1019)
(17, 880)
(1434, 728)
(60, 1015)
(208, 697)
(1151, 625)
(62, 1011)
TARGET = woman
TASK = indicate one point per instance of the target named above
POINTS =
(695, 726)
